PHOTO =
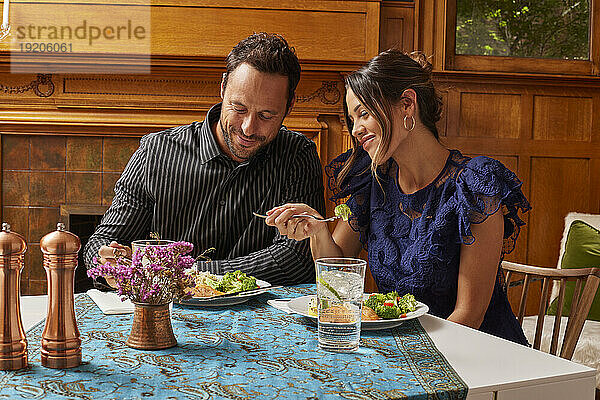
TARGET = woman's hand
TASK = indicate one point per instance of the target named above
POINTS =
(296, 228)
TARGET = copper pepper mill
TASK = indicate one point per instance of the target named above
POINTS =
(61, 346)
(13, 344)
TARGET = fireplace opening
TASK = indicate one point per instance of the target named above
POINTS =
(82, 221)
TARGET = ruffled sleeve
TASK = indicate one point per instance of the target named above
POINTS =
(483, 186)
(354, 190)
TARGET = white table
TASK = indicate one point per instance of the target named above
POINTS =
(492, 368)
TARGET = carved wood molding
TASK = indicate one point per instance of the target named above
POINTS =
(328, 93)
(37, 86)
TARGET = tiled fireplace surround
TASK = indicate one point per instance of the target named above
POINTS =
(43, 172)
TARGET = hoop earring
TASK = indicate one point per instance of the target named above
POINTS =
(412, 126)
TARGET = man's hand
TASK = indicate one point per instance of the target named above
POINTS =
(112, 251)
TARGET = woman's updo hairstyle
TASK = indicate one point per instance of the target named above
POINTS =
(379, 86)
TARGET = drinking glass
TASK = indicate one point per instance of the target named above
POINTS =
(340, 285)
(139, 244)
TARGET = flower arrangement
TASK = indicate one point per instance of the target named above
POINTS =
(154, 275)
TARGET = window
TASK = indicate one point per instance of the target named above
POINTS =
(548, 36)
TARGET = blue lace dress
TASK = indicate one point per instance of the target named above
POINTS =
(414, 240)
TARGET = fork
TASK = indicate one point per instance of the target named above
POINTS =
(302, 216)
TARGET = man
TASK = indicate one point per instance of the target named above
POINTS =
(201, 182)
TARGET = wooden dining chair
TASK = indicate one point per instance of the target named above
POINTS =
(586, 284)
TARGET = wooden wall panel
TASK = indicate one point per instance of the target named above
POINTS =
(510, 162)
(210, 31)
(562, 118)
(396, 26)
(558, 186)
(192, 33)
(489, 115)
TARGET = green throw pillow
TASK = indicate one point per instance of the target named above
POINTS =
(582, 249)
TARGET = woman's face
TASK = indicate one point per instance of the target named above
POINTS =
(366, 129)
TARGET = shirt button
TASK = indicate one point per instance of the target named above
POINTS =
(222, 202)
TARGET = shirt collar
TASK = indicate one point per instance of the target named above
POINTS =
(209, 148)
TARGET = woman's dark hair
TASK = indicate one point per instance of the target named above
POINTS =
(379, 86)
(269, 54)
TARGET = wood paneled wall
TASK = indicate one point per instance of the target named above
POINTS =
(545, 131)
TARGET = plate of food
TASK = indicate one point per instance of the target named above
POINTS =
(380, 311)
(220, 290)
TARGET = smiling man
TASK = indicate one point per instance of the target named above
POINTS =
(201, 182)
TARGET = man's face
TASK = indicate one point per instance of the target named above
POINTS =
(254, 106)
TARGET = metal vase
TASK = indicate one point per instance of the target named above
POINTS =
(151, 329)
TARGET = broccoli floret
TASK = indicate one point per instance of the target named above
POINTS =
(236, 281)
(407, 303)
(226, 284)
(222, 284)
(391, 296)
(342, 210)
(249, 283)
(387, 312)
(375, 300)
(371, 302)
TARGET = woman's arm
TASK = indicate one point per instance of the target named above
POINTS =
(343, 243)
(477, 271)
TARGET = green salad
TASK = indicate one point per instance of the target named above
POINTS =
(342, 210)
(390, 305)
(231, 282)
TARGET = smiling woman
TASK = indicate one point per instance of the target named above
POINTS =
(435, 223)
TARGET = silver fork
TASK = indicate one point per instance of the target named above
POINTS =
(303, 216)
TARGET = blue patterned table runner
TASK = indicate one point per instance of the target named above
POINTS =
(246, 351)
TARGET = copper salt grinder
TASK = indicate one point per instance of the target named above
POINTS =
(61, 346)
(13, 344)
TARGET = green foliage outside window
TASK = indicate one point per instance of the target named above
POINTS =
(524, 28)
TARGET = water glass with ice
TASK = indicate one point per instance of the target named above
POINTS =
(340, 285)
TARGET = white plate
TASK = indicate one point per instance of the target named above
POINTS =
(299, 305)
(223, 301)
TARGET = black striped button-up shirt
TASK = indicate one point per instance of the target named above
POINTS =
(179, 184)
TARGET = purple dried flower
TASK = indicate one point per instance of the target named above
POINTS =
(155, 275)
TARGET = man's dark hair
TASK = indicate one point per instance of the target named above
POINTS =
(267, 53)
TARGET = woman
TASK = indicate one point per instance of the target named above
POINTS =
(436, 223)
